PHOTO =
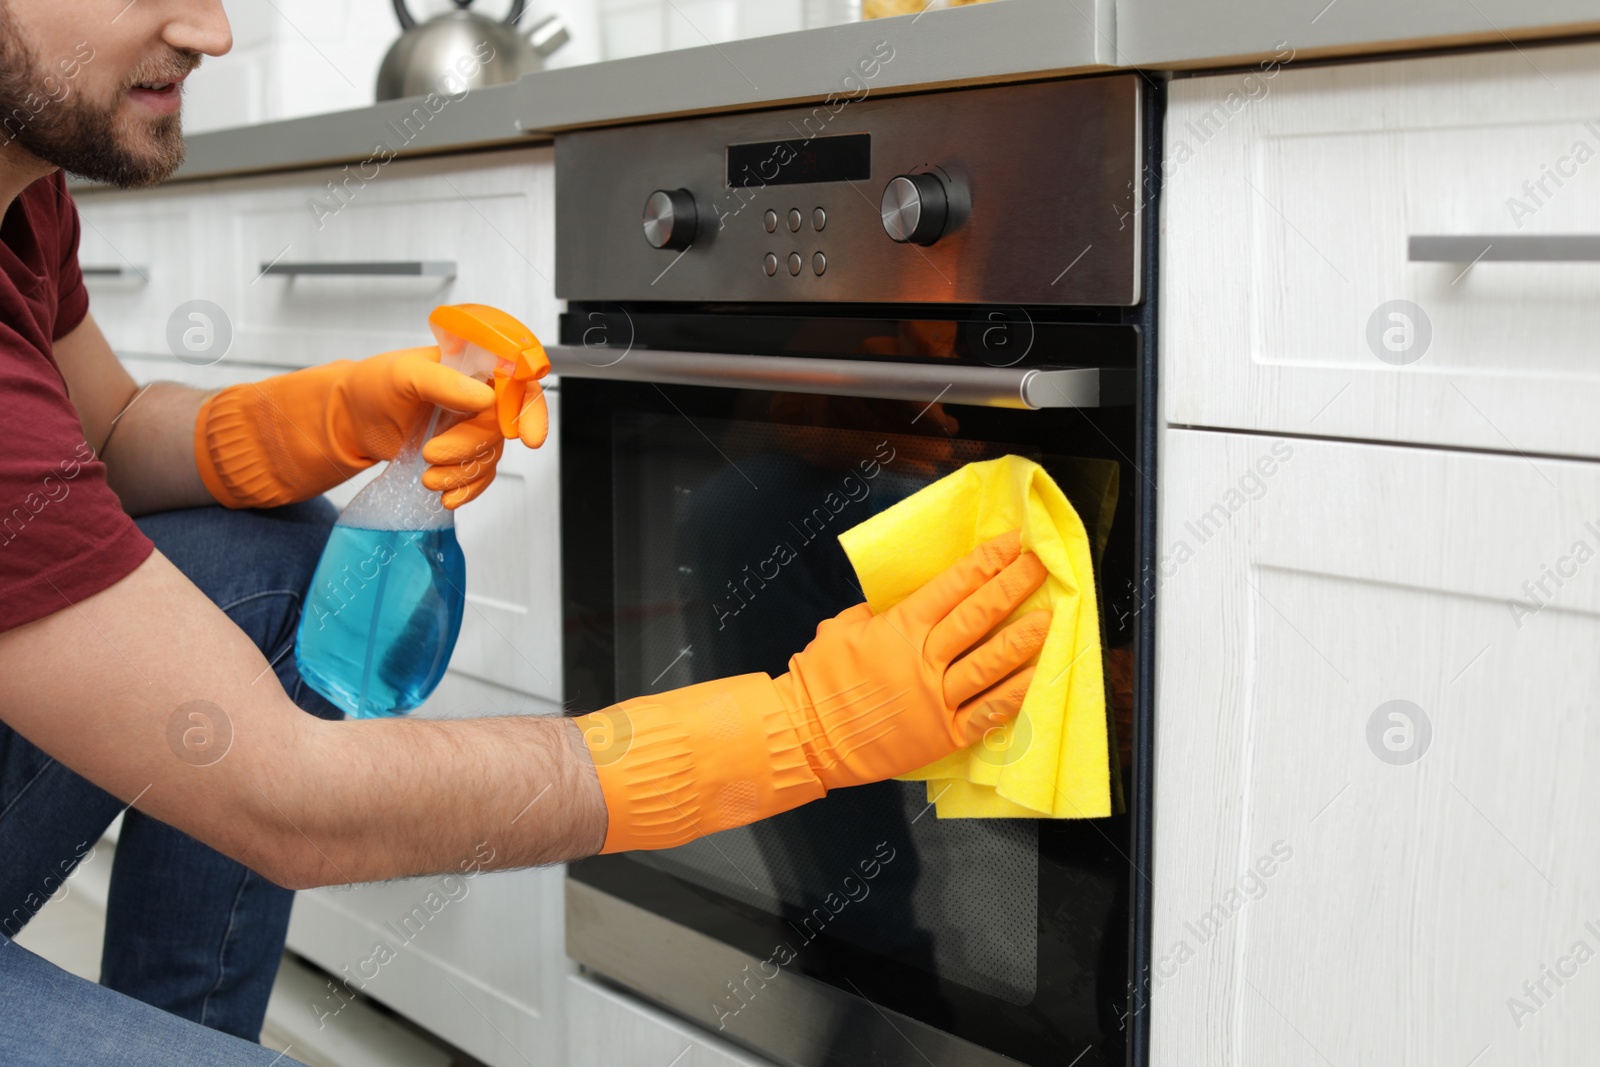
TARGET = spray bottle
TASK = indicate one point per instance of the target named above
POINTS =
(385, 606)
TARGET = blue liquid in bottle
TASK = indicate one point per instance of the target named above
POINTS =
(384, 609)
(382, 617)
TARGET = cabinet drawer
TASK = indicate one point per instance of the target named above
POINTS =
(511, 536)
(143, 255)
(607, 1028)
(1375, 717)
(1291, 301)
(475, 957)
(478, 228)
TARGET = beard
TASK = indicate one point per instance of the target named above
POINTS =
(67, 130)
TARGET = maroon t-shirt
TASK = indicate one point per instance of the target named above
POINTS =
(63, 534)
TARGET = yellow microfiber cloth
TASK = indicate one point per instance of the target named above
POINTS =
(1053, 761)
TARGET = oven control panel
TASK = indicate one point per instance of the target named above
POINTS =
(1026, 194)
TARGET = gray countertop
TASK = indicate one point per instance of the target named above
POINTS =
(1005, 41)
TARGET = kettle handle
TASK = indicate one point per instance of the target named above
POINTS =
(407, 22)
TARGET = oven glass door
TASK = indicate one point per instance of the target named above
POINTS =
(700, 531)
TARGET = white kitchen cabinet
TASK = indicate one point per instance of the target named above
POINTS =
(486, 971)
(1375, 732)
(609, 1028)
(143, 255)
(486, 218)
(481, 964)
(511, 632)
(489, 215)
(1289, 301)
(511, 535)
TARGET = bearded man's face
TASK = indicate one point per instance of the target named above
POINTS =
(95, 86)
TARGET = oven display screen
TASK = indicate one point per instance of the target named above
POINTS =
(846, 158)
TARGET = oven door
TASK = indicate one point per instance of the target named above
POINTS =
(699, 541)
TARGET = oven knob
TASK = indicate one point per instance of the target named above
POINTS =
(670, 218)
(914, 208)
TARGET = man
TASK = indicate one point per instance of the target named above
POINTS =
(116, 637)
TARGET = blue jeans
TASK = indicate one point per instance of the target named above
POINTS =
(187, 929)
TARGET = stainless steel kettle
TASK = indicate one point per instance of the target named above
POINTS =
(462, 50)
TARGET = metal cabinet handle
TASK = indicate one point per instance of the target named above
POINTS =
(97, 271)
(997, 387)
(1505, 248)
(410, 268)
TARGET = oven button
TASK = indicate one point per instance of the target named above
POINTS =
(914, 208)
(794, 220)
(819, 263)
(794, 262)
(769, 263)
(670, 218)
(770, 221)
(819, 219)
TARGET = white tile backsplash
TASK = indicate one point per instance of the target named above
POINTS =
(757, 18)
(630, 28)
(690, 23)
(226, 92)
(305, 57)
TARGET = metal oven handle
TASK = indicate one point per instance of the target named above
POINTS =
(1027, 388)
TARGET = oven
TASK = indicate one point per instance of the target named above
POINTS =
(827, 309)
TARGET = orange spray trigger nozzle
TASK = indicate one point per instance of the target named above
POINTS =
(511, 378)
(519, 359)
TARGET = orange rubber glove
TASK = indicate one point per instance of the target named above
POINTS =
(872, 696)
(297, 435)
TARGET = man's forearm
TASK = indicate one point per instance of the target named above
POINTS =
(147, 690)
(149, 453)
(144, 436)
(384, 799)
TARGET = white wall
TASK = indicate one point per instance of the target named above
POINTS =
(303, 57)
